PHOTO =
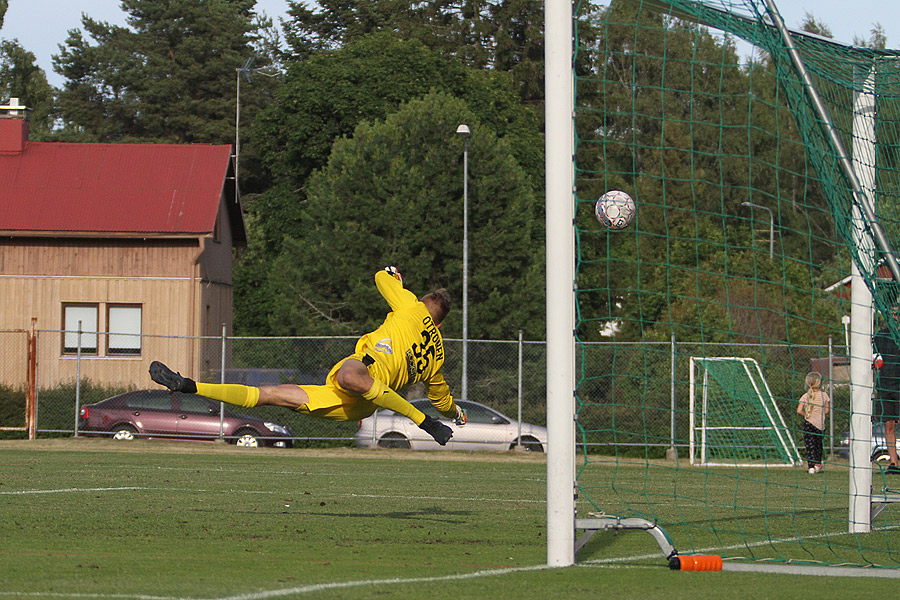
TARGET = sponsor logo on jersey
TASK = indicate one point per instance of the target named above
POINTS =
(384, 346)
(411, 370)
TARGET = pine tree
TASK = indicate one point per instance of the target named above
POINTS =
(169, 76)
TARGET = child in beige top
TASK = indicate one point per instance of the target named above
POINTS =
(813, 407)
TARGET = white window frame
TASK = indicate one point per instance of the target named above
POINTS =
(72, 314)
(124, 329)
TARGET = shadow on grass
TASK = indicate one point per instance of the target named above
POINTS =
(436, 514)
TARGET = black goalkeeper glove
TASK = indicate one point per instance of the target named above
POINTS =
(440, 432)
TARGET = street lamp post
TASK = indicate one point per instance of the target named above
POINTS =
(463, 130)
(771, 226)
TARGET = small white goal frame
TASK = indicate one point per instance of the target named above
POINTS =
(766, 401)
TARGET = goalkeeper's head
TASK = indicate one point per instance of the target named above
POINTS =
(438, 304)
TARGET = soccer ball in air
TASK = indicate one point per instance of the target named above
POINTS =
(615, 209)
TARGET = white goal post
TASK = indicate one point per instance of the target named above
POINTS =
(734, 420)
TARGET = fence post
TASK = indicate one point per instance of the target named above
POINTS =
(77, 380)
(831, 396)
(31, 393)
(519, 417)
(672, 453)
(222, 381)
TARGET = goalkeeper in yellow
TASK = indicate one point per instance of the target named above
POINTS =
(407, 348)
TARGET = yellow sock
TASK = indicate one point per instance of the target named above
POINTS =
(383, 396)
(232, 393)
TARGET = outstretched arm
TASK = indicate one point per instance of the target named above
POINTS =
(391, 288)
(439, 394)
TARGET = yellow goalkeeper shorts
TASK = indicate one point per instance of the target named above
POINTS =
(331, 401)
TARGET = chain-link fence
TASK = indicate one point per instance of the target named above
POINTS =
(629, 394)
(75, 369)
(14, 374)
(638, 394)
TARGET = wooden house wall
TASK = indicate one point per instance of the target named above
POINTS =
(39, 275)
(217, 257)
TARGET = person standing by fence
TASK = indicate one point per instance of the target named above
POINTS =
(813, 407)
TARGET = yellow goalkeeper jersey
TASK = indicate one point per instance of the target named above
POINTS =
(407, 348)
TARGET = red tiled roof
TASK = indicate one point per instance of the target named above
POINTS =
(114, 188)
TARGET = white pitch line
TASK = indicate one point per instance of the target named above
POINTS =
(611, 562)
(71, 490)
(602, 563)
(321, 587)
(272, 493)
(305, 589)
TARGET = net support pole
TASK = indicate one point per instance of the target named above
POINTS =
(861, 312)
(560, 281)
(861, 403)
(861, 199)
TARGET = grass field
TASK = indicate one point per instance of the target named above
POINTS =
(166, 521)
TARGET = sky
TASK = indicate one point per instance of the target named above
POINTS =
(41, 25)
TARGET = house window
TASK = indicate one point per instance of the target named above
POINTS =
(83, 318)
(123, 323)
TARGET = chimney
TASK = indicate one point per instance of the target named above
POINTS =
(13, 127)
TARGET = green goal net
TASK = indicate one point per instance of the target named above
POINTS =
(764, 168)
(734, 418)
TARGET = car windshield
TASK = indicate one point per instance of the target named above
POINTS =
(475, 413)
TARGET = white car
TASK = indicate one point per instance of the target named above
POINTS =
(486, 429)
(879, 446)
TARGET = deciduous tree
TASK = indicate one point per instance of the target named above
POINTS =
(392, 194)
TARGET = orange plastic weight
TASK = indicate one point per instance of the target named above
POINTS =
(697, 562)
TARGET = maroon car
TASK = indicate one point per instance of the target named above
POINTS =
(173, 415)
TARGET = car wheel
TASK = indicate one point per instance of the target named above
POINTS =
(123, 432)
(530, 444)
(247, 438)
(393, 440)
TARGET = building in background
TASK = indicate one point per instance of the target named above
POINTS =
(121, 241)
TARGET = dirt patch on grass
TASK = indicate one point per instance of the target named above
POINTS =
(168, 447)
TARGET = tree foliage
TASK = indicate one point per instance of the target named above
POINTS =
(352, 162)
(169, 76)
(504, 36)
(392, 194)
(877, 38)
(327, 97)
(692, 165)
(21, 77)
